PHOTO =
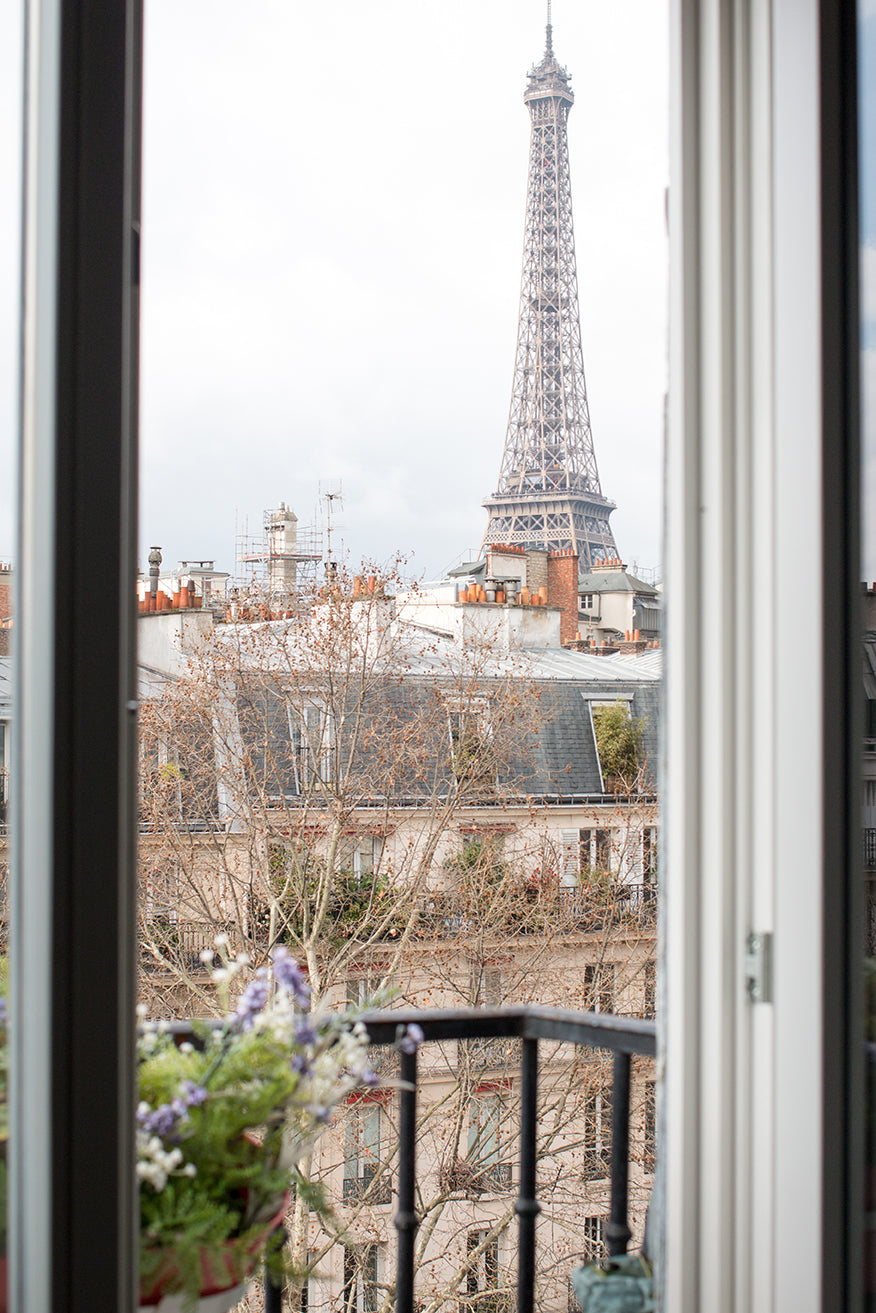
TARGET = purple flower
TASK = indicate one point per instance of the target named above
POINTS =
(370, 1078)
(289, 976)
(163, 1121)
(300, 1064)
(4, 1011)
(193, 1094)
(250, 1003)
(304, 1033)
(409, 1038)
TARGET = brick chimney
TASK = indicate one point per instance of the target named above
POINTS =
(562, 589)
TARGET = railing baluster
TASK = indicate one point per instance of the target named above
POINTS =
(274, 1290)
(406, 1219)
(526, 1206)
(617, 1233)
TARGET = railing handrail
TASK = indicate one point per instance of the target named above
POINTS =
(598, 1030)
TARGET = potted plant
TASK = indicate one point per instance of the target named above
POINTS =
(222, 1119)
(221, 1122)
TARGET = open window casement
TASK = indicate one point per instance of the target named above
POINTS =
(311, 734)
(762, 1105)
(361, 1275)
(472, 750)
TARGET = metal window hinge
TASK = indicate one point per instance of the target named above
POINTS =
(759, 967)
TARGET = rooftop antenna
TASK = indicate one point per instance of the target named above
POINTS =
(329, 497)
(549, 42)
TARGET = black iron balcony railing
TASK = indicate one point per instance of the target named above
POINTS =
(367, 1189)
(622, 1036)
(170, 941)
(582, 908)
(464, 1177)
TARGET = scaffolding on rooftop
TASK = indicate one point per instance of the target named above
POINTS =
(279, 564)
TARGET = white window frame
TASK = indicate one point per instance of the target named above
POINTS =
(758, 1118)
(363, 865)
(363, 1145)
(361, 1277)
(487, 1134)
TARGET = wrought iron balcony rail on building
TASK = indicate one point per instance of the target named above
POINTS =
(169, 941)
(583, 908)
(624, 1037)
(367, 1189)
(210, 822)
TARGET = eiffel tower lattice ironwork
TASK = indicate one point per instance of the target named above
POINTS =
(549, 493)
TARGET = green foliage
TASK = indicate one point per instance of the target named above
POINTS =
(619, 742)
(356, 899)
(481, 859)
(222, 1121)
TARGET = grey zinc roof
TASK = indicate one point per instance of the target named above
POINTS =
(430, 653)
(614, 581)
(558, 757)
(566, 761)
(648, 663)
(467, 568)
(554, 756)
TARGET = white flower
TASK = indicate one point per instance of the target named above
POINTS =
(154, 1163)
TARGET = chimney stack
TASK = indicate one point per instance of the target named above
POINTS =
(562, 590)
(154, 570)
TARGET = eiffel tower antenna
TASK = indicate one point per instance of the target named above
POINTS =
(549, 495)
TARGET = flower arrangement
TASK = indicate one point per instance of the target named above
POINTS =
(222, 1121)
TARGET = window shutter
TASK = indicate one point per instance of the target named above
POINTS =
(570, 867)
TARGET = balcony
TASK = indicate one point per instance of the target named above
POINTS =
(463, 1178)
(530, 1026)
(367, 1189)
(170, 942)
(583, 909)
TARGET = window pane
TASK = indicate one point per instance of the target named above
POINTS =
(332, 310)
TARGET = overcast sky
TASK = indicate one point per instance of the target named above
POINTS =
(333, 222)
(333, 207)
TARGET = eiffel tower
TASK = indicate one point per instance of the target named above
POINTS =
(549, 494)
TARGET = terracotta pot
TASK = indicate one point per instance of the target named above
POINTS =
(218, 1303)
(224, 1272)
